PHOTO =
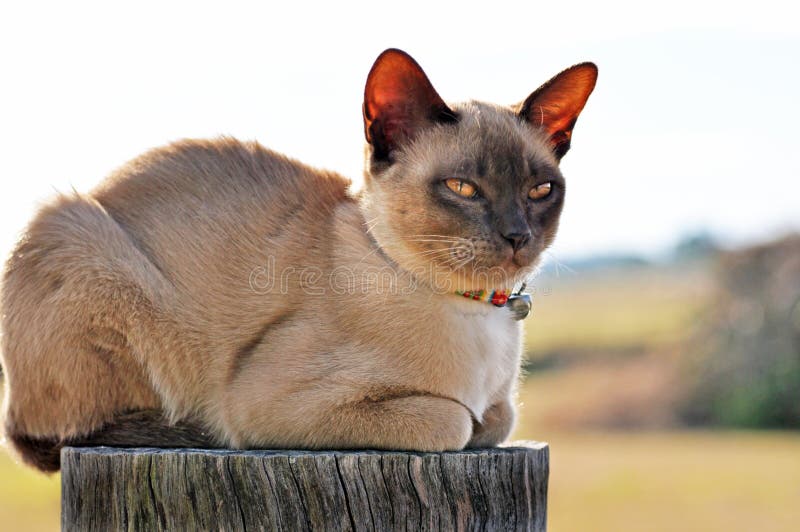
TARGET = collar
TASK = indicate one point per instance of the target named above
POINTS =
(498, 298)
(519, 303)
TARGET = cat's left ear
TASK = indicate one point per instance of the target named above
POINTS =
(555, 106)
(399, 100)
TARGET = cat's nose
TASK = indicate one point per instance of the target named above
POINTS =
(518, 240)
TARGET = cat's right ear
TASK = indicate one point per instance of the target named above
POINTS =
(399, 100)
(554, 107)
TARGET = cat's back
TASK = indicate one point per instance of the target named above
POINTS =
(215, 191)
(209, 212)
(218, 181)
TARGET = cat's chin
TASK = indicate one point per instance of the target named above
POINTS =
(489, 273)
(494, 279)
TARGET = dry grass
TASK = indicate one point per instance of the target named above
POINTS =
(599, 312)
(636, 392)
(29, 501)
(657, 480)
(673, 481)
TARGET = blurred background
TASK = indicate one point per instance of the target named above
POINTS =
(663, 353)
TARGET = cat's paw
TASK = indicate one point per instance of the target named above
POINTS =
(495, 427)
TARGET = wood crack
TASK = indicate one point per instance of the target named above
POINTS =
(369, 503)
(274, 494)
(161, 518)
(227, 465)
(299, 493)
(343, 484)
(484, 496)
(386, 485)
(415, 489)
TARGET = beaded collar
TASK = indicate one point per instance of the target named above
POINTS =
(518, 302)
(498, 298)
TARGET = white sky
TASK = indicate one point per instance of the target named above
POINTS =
(692, 125)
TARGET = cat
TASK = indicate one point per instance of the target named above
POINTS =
(216, 293)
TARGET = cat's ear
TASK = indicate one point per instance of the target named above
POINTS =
(555, 106)
(399, 100)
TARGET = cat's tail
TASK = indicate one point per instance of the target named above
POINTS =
(144, 428)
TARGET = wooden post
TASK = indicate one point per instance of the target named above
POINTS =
(107, 488)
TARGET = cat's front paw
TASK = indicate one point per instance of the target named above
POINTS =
(496, 426)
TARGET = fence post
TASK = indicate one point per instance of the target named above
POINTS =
(107, 488)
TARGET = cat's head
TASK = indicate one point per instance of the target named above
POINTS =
(467, 194)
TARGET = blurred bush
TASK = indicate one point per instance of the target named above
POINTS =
(747, 369)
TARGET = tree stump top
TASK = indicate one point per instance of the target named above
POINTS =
(502, 488)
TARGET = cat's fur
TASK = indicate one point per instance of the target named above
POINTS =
(217, 293)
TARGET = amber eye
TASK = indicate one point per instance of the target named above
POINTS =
(462, 188)
(540, 191)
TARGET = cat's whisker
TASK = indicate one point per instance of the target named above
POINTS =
(435, 239)
(457, 263)
(447, 237)
(558, 264)
(429, 254)
(432, 254)
(434, 247)
(441, 237)
(437, 250)
(443, 251)
(449, 245)
(430, 241)
(372, 252)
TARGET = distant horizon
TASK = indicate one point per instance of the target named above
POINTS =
(692, 126)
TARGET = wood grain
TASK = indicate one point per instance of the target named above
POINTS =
(107, 488)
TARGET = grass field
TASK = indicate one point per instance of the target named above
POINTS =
(634, 308)
(599, 481)
(673, 481)
(29, 501)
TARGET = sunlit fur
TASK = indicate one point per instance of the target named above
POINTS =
(255, 300)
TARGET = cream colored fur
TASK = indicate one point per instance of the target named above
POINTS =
(153, 291)
(139, 295)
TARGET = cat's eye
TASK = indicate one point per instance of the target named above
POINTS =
(461, 187)
(540, 191)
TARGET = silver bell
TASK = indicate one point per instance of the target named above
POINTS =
(519, 305)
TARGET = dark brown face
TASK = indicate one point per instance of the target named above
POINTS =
(471, 195)
(477, 200)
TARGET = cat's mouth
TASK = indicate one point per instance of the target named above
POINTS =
(451, 263)
(469, 255)
(512, 265)
(520, 260)
(487, 270)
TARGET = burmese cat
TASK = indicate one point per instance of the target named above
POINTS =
(217, 293)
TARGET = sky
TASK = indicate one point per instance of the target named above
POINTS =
(692, 126)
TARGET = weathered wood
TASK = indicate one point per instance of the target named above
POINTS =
(107, 488)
